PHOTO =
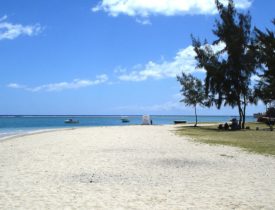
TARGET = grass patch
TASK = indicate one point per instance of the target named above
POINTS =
(259, 141)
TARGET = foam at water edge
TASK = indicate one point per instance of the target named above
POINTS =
(9, 135)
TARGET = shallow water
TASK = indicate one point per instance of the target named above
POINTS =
(12, 125)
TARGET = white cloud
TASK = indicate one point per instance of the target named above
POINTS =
(75, 84)
(184, 61)
(15, 86)
(11, 31)
(143, 21)
(3, 18)
(146, 8)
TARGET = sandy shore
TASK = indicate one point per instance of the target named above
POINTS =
(132, 167)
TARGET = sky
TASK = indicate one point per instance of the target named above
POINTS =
(104, 57)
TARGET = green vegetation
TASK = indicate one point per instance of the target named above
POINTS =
(192, 90)
(236, 55)
(265, 42)
(229, 69)
(260, 141)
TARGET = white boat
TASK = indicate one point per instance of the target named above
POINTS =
(71, 121)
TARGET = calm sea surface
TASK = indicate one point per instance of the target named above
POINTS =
(12, 125)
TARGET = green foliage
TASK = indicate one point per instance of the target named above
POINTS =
(192, 91)
(229, 71)
(260, 141)
(266, 56)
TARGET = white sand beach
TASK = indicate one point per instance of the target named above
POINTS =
(130, 167)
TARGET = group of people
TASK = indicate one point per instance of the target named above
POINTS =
(234, 125)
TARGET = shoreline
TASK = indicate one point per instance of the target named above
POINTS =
(46, 130)
(30, 133)
(17, 126)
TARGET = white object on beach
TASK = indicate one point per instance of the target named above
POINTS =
(146, 120)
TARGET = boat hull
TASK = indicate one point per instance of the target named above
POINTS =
(180, 122)
(71, 121)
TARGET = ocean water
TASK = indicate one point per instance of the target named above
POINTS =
(13, 125)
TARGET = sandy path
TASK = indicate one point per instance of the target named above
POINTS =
(133, 167)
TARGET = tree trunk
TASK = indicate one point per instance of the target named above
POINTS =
(269, 117)
(240, 114)
(244, 113)
(196, 116)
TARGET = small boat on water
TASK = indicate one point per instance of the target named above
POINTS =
(180, 122)
(71, 121)
(124, 119)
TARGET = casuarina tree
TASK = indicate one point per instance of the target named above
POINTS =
(192, 91)
(265, 41)
(229, 70)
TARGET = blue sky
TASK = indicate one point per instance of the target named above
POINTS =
(105, 56)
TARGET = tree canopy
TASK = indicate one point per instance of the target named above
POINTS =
(192, 91)
(229, 71)
(266, 56)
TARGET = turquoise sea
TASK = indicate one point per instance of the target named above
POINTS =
(21, 124)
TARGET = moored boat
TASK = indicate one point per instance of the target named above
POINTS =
(124, 119)
(71, 121)
(180, 121)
